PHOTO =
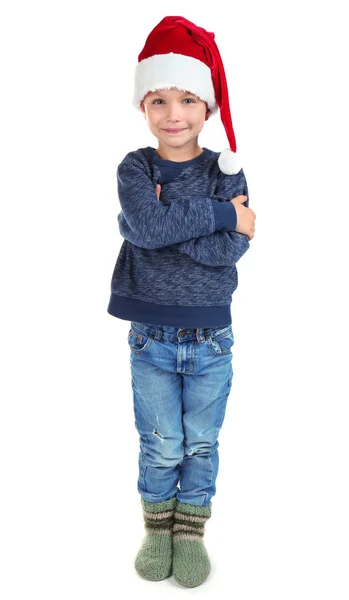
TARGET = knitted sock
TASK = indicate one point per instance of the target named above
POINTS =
(191, 564)
(154, 558)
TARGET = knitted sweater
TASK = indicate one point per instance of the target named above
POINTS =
(177, 263)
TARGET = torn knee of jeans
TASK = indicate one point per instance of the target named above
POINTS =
(156, 432)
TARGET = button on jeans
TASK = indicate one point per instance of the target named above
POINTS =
(181, 380)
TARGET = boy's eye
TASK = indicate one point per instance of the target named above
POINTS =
(161, 100)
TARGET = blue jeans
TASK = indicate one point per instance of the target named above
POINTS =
(181, 380)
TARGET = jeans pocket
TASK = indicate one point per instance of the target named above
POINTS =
(139, 340)
(221, 342)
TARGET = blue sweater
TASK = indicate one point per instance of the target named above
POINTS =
(177, 263)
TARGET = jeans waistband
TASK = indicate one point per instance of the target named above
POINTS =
(181, 334)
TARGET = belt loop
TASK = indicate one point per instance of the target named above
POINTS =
(158, 334)
(199, 335)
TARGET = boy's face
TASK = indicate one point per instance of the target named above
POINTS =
(174, 109)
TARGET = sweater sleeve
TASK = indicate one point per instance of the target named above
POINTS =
(148, 223)
(221, 248)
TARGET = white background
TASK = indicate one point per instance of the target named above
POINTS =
(70, 513)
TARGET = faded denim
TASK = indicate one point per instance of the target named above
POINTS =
(181, 380)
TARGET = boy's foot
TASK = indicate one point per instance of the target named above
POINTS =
(154, 558)
(191, 564)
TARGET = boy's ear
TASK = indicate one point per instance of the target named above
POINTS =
(208, 113)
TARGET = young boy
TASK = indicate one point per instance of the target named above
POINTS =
(186, 222)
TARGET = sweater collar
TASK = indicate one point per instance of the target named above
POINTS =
(177, 164)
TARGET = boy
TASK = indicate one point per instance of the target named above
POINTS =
(186, 223)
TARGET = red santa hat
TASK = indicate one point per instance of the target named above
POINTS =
(178, 54)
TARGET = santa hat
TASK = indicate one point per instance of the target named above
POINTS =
(179, 54)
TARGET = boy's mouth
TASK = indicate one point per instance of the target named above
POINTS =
(173, 130)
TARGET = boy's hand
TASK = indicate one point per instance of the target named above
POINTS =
(158, 190)
(245, 217)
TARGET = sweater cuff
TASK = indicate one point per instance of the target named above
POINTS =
(225, 215)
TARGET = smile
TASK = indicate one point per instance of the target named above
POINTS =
(173, 130)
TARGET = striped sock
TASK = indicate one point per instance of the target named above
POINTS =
(154, 558)
(191, 564)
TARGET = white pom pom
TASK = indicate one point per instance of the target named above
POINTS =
(228, 162)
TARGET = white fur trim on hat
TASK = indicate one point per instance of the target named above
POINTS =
(165, 71)
(228, 162)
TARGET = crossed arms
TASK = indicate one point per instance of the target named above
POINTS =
(187, 225)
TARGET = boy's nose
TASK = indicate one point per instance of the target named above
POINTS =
(173, 112)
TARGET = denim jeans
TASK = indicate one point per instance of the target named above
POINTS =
(181, 380)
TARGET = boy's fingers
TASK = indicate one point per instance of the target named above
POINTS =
(241, 198)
